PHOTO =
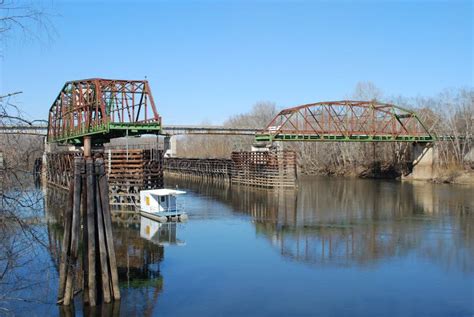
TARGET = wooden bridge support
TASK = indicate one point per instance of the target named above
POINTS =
(264, 169)
(129, 171)
(59, 168)
(89, 195)
(210, 169)
(261, 169)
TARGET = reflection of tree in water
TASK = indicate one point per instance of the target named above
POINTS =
(138, 260)
(24, 264)
(450, 239)
(351, 221)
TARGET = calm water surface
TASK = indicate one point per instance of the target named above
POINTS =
(333, 247)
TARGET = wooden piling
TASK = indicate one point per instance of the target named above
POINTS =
(63, 266)
(104, 267)
(87, 147)
(91, 232)
(85, 260)
(104, 196)
(99, 282)
(66, 311)
(75, 231)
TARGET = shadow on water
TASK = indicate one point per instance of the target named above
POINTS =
(346, 222)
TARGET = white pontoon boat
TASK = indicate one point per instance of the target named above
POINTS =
(162, 205)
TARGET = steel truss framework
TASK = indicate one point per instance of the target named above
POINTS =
(102, 109)
(347, 120)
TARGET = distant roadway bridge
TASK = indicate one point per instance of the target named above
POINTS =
(170, 130)
(166, 130)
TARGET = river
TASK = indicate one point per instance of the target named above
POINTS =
(331, 247)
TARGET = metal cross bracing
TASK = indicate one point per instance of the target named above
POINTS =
(102, 109)
(347, 120)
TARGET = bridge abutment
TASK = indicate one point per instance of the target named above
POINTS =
(170, 146)
(424, 157)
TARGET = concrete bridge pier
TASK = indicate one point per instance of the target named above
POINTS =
(170, 146)
(267, 146)
(424, 156)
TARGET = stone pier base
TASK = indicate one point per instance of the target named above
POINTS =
(424, 162)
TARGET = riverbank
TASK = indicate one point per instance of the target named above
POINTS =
(389, 171)
(375, 170)
(465, 177)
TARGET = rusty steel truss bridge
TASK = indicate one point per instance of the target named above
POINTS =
(103, 109)
(347, 120)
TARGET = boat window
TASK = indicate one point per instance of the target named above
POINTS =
(162, 198)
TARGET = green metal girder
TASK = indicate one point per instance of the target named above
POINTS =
(342, 138)
(153, 126)
(104, 133)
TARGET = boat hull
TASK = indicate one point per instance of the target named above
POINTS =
(165, 216)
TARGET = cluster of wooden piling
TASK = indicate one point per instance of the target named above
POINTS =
(129, 171)
(211, 169)
(264, 169)
(132, 170)
(59, 168)
(261, 169)
(88, 209)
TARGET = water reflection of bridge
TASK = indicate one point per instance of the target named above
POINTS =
(138, 260)
(358, 222)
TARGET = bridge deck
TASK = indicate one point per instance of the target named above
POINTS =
(266, 137)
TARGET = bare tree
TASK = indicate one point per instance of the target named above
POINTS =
(222, 146)
(20, 205)
(450, 116)
(29, 18)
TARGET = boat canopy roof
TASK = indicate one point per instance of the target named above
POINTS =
(164, 192)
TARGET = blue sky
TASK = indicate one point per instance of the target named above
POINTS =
(207, 60)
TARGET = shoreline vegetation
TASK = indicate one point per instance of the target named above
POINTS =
(453, 175)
